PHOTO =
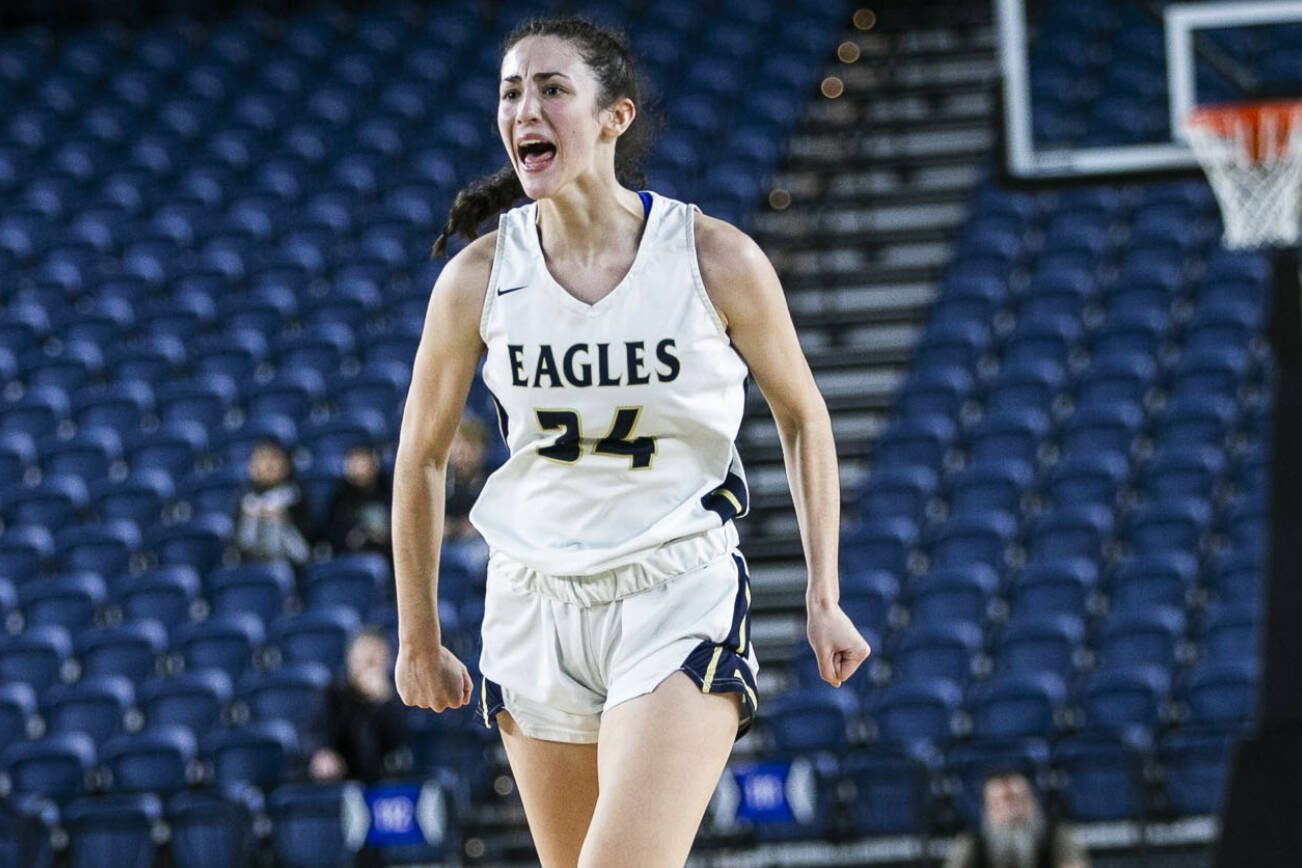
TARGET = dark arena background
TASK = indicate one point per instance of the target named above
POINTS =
(1053, 390)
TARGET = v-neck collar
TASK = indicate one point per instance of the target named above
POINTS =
(568, 298)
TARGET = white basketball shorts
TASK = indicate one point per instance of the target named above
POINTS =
(560, 650)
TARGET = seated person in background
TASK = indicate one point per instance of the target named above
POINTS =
(360, 506)
(1015, 832)
(272, 521)
(465, 478)
(360, 729)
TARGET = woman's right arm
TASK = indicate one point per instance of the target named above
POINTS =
(426, 673)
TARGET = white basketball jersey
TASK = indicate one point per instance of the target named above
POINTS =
(620, 416)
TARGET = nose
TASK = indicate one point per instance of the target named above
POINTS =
(527, 106)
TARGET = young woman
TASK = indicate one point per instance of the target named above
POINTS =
(619, 327)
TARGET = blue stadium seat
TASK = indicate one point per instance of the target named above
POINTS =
(1102, 775)
(69, 600)
(199, 543)
(898, 492)
(1230, 632)
(1071, 531)
(1088, 478)
(292, 693)
(953, 344)
(985, 486)
(116, 831)
(131, 649)
(320, 635)
(1188, 472)
(917, 713)
(954, 594)
(153, 359)
(1041, 340)
(1009, 435)
(224, 642)
(1195, 420)
(355, 581)
(1040, 643)
(1119, 377)
(919, 441)
(106, 547)
(1195, 764)
(815, 718)
(205, 399)
(1026, 384)
(260, 753)
(120, 406)
(166, 595)
(1124, 698)
(1220, 691)
(882, 544)
(867, 597)
(259, 589)
(233, 447)
(973, 539)
(1017, 705)
(939, 391)
(1246, 523)
(890, 792)
(158, 759)
(1209, 371)
(17, 708)
(94, 706)
(1102, 428)
(194, 700)
(89, 454)
(35, 657)
(172, 448)
(971, 299)
(1146, 637)
(212, 828)
(1222, 323)
(292, 392)
(307, 824)
(1154, 579)
(54, 503)
(17, 455)
(55, 766)
(25, 551)
(1170, 525)
(217, 491)
(139, 498)
(946, 652)
(1237, 577)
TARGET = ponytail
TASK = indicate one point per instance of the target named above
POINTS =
(490, 195)
(606, 53)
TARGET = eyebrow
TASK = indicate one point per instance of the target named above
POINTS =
(537, 76)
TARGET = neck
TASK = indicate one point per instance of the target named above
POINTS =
(585, 223)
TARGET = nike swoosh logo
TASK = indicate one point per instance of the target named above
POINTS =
(512, 289)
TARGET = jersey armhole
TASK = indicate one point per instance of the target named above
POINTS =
(698, 284)
(490, 291)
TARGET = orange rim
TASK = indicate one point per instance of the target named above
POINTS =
(1269, 124)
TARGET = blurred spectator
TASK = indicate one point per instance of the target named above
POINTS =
(1015, 832)
(272, 520)
(465, 479)
(361, 726)
(360, 506)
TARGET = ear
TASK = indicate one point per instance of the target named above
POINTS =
(618, 117)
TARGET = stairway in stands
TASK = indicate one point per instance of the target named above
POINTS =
(878, 179)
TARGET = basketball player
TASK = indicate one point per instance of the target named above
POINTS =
(619, 328)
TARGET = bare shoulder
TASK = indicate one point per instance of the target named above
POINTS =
(733, 266)
(466, 274)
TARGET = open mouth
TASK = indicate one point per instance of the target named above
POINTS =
(537, 155)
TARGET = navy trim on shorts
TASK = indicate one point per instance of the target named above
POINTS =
(646, 202)
(719, 667)
(490, 701)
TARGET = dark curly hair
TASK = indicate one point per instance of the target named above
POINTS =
(606, 53)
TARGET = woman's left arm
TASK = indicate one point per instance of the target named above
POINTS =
(747, 294)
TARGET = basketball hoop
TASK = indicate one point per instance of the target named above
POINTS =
(1252, 153)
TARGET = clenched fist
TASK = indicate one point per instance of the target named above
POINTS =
(431, 677)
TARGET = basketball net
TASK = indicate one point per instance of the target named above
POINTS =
(1252, 153)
